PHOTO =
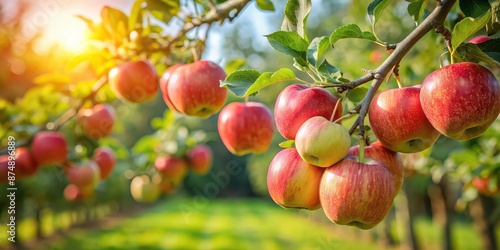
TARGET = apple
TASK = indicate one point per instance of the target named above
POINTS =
(357, 194)
(49, 148)
(292, 182)
(398, 121)
(25, 163)
(85, 176)
(479, 39)
(98, 121)
(246, 127)
(482, 184)
(4, 169)
(392, 160)
(194, 89)
(72, 193)
(200, 159)
(167, 185)
(321, 142)
(134, 81)
(143, 189)
(105, 159)
(171, 166)
(297, 103)
(461, 100)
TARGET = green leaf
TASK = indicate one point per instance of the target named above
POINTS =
(494, 26)
(350, 31)
(136, 13)
(146, 145)
(416, 10)
(290, 43)
(330, 72)
(375, 9)
(164, 10)
(265, 5)
(474, 8)
(248, 82)
(115, 22)
(317, 49)
(53, 78)
(234, 65)
(472, 53)
(287, 144)
(296, 13)
(357, 94)
(467, 27)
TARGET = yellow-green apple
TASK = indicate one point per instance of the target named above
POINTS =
(321, 142)
(246, 127)
(392, 160)
(49, 148)
(482, 184)
(461, 100)
(297, 103)
(98, 121)
(194, 89)
(398, 121)
(292, 182)
(357, 194)
(85, 176)
(134, 81)
(25, 163)
(105, 159)
(143, 189)
(200, 159)
(479, 39)
(171, 166)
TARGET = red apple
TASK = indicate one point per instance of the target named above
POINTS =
(49, 148)
(321, 142)
(98, 121)
(171, 166)
(357, 194)
(292, 182)
(167, 185)
(479, 39)
(392, 160)
(105, 159)
(397, 120)
(461, 100)
(297, 103)
(246, 127)
(85, 177)
(72, 193)
(134, 81)
(4, 169)
(200, 159)
(25, 163)
(482, 184)
(143, 189)
(194, 88)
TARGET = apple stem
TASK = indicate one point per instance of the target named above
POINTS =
(398, 80)
(335, 109)
(246, 99)
(195, 54)
(361, 149)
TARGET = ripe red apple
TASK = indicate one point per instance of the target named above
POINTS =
(143, 189)
(397, 120)
(482, 184)
(72, 193)
(461, 100)
(49, 148)
(98, 122)
(85, 176)
(246, 127)
(105, 159)
(297, 103)
(292, 182)
(321, 142)
(194, 88)
(200, 159)
(25, 163)
(171, 166)
(479, 39)
(357, 194)
(134, 81)
(392, 160)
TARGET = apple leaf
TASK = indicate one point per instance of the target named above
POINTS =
(317, 49)
(115, 22)
(53, 78)
(350, 31)
(265, 5)
(474, 8)
(416, 10)
(287, 144)
(296, 13)
(494, 26)
(330, 72)
(375, 9)
(467, 27)
(234, 65)
(268, 78)
(472, 53)
(136, 13)
(164, 10)
(357, 94)
(290, 43)
(248, 82)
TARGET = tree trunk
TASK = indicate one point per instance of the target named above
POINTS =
(481, 210)
(442, 202)
(409, 216)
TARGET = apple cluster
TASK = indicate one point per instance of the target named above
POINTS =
(171, 172)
